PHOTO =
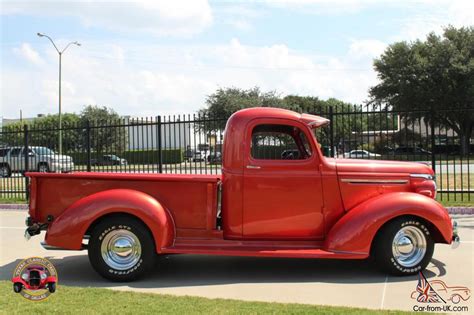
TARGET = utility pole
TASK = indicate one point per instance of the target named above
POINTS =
(60, 53)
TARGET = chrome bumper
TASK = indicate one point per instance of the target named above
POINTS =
(455, 240)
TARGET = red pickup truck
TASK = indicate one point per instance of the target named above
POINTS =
(278, 196)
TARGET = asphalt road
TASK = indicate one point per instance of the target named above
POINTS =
(329, 282)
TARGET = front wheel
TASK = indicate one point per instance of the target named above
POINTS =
(121, 248)
(403, 247)
(17, 287)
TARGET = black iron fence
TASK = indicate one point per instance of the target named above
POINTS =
(193, 144)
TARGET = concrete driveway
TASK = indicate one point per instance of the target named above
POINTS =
(343, 283)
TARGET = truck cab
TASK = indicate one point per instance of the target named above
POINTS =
(278, 196)
(277, 167)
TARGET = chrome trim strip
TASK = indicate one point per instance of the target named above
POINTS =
(373, 181)
(348, 252)
(425, 176)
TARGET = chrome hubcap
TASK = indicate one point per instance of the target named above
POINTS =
(121, 249)
(409, 246)
(4, 171)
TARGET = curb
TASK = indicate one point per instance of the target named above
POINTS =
(451, 210)
(13, 206)
(461, 210)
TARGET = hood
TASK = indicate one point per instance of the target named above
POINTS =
(378, 166)
(360, 180)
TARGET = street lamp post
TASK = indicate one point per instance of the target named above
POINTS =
(60, 53)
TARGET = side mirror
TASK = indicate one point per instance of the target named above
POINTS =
(31, 154)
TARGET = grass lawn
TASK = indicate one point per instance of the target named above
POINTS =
(72, 300)
(12, 200)
(458, 181)
(456, 200)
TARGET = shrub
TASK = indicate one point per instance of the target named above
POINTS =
(169, 156)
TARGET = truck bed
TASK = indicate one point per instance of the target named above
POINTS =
(191, 199)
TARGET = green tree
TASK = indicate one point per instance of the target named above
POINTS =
(43, 131)
(437, 73)
(107, 132)
(343, 127)
(226, 101)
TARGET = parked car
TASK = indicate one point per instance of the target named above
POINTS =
(108, 159)
(40, 159)
(188, 154)
(199, 156)
(290, 155)
(215, 157)
(360, 154)
(34, 278)
(309, 207)
(403, 150)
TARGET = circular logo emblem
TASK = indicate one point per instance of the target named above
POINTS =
(35, 278)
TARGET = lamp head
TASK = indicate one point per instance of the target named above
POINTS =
(40, 35)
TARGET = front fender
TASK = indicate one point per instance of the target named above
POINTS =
(355, 231)
(67, 230)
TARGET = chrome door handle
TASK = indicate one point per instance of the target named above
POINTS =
(253, 167)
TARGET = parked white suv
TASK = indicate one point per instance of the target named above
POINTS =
(40, 159)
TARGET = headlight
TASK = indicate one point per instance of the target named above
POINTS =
(44, 276)
(424, 184)
(24, 276)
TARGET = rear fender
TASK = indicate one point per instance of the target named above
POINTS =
(67, 230)
(355, 231)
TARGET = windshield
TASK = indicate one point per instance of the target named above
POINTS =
(43, 151)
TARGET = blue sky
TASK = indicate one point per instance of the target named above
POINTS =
(145, 58)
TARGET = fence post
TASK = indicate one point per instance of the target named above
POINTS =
(432, 131)
(27, 160)
(160, 160)
(331, 130)
(88, 145)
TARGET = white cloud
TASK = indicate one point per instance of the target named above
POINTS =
(158, 17)
(149, 80)
(366, 48)
(240, 24)
(29, 54)
(325, 6)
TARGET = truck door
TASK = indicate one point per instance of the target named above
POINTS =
(16, 159)
(282, 193)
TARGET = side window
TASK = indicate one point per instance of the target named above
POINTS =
(4, 152)
(15, 152)
(279, 142)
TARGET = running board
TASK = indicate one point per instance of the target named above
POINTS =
(51, 247)
(263, 252)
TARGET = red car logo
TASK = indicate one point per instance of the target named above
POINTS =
(437, 291)
(34, 278)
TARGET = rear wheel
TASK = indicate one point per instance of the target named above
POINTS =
(403, 247)
(43, 168)
(5, 171)
(52, 287)
(121, 249)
